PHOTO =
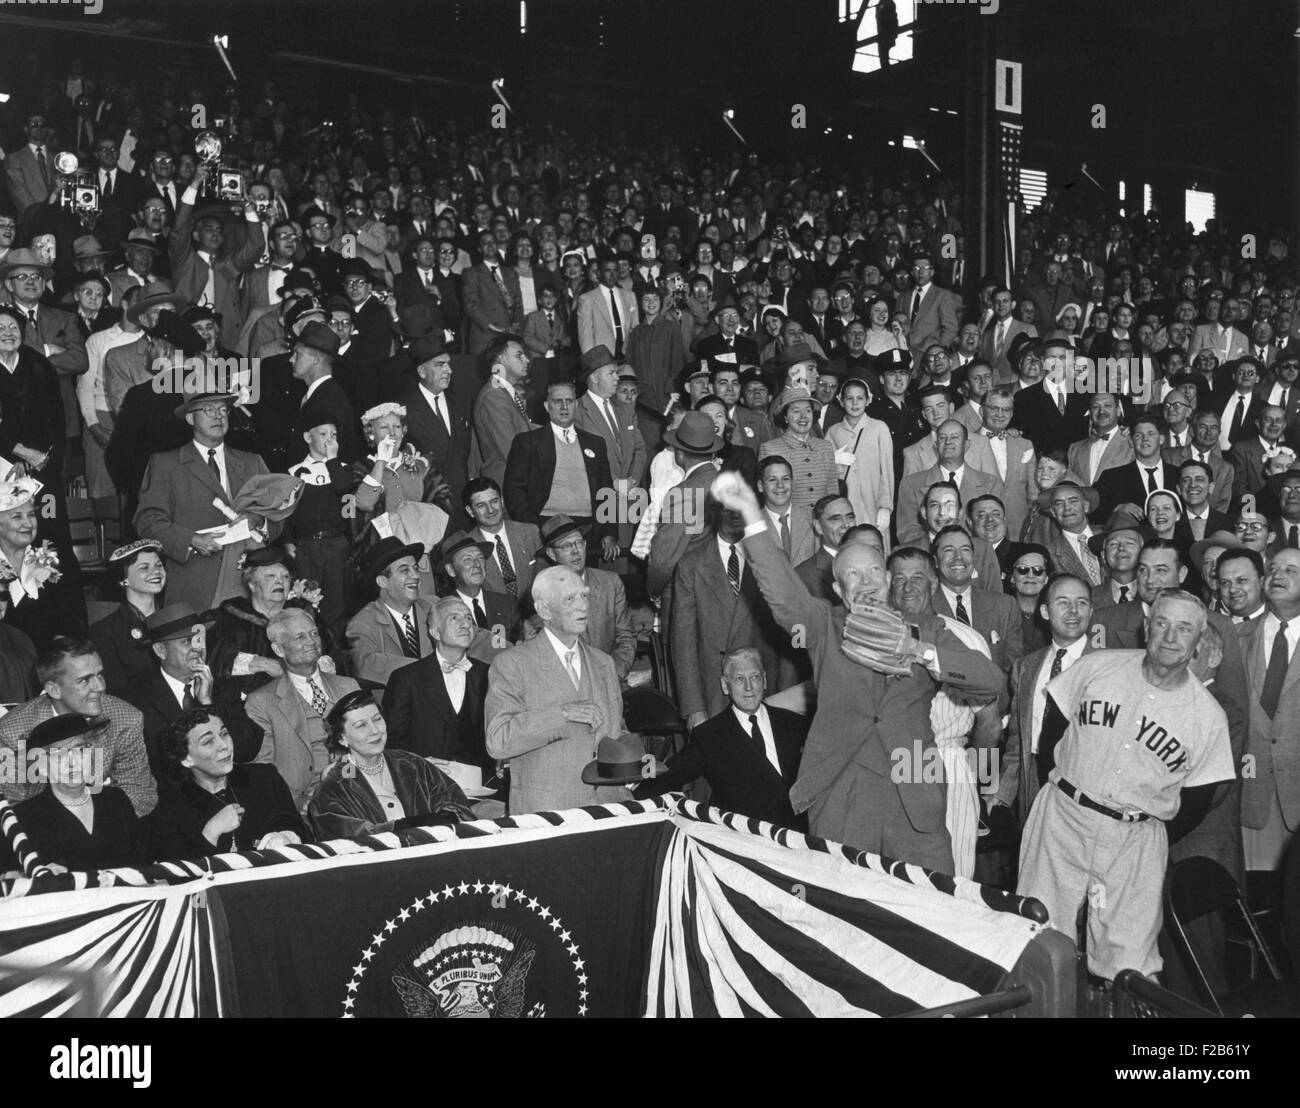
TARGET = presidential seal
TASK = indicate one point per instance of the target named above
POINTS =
(479, 950)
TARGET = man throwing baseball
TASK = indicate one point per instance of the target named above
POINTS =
(861, 779)
(1144, 745)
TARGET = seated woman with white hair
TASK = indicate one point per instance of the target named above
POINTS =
(371, 789)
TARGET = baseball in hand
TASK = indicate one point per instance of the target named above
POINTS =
(726, 487)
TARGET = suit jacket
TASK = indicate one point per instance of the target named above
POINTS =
(609, 620)
(523, 542)
(190, 272)
(1036, 416)
(281, 715)
(125, 762)
(23, 176)
(935, 320)
(1223, 403)
(1019, 483)
(125, 367)
(596, 321)
(996, 616)
(1118, 452)
(176, 501)
(803, 539)
(1019, 772)
(912, 490)
(448, 452)
(408, 288)
(1247, 460)
(743, 349)
(818, 576)
(158, 707)
(921, 455)
(626, 450)
(736, 768)
(497, 421)
(486, 308)
(863, 719)
(374, 648)
(421, 719)
(1274, 744)
(996, 353)
(708, 620)
(1065, 554)
(528, 690)
(539, 336)
(255, 291)
(681, 527)
(530, 469)
(1227, 347)
(1127, 484)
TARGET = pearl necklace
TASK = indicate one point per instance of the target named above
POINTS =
(372, 772)
(85, 799)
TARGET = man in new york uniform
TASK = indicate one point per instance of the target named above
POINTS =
(1144, 745)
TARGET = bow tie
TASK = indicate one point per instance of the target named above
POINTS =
(1100, 438)
(995, 434)
(451, 667)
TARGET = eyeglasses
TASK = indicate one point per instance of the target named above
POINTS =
(573, 546)
(1252, 527)
(1031, 571)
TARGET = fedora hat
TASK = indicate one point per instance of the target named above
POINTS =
(140, 239)
(1121, 519)
(1090, 495)
(793, 355)
(175, 621)
(266, 556)
(1021, 344)
(85, 247)
(199, 398)
(385, 552)
(1053, 339)
(426, 348)
(1224, 539)
(598, 357)
(621, 760)
(556, 526)
(171, 328)
(695, 435)
(454, 544)
(24, 259)
(156, 294)
(320, 336)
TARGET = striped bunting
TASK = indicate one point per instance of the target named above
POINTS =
(138, 957)
(751, 925)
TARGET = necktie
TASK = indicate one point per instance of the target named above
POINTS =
(1282, 399)
(1293, 537)
(1238, 415)
(107, 187)
(550, 319)
(916, 304)
(437, 410)
(733, 571)
(952, 476)
(1002, 334)
(785, 533)
(43, 165)
(1198, 527)
(962, 614)
(1151, 479)
(519, 402)
(480, 616)
(507, 569)
(618, 325)
(501, 287)
(411, 639)
(1056, 663)
(1275, 675)
(1090, 563)
(216, 469)
(572, 667)
(188, 700)
(1060, 402)
(1123, 594)
(319, 702)
(426, 275)
(756, 732)
(609, 418)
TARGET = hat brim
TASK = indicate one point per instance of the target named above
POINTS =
(670, 437)
(1222, 540)
(174, 631)
(136, 310)
(1098, 542)
(47, 272)
(181, 410)
(484, 548)
(591, 774)
(413, 549)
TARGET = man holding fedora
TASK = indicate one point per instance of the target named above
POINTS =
(600, 412)
(325, 401)
(392, 630)
(206, 269)
(559, 469)
(180, 494)
(609, 621)
(463, 559)
(177, 637)
(681, 522)
(437, 422)
(550, 702)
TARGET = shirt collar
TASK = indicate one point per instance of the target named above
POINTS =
(743, 717)
(220, 448)
(560, 649)
(315, 385)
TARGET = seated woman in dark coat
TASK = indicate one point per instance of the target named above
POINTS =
(120, 635)
(77, 823)
(371, 789)
(239, 651)
(207, 804)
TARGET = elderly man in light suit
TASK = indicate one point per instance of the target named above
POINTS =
(178, 494)
(551, 700)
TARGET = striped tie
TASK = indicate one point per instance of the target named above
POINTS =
(733, 571)
(507, 569)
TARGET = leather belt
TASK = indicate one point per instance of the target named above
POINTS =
(1087, 801)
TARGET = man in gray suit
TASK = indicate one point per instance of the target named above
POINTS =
(791, 527)
(600, 413)
(493, 304)
(951, 465)
(609, 620)
(1066, 605)
(178, 494)
(291, 711)
(551, 700)
(514, 545)
(29, 171)
(934, 312)
(392, 630)
(499, 413)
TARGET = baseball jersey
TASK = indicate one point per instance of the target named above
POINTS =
(1132, 746)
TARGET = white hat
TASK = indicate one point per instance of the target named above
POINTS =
(14, 494)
